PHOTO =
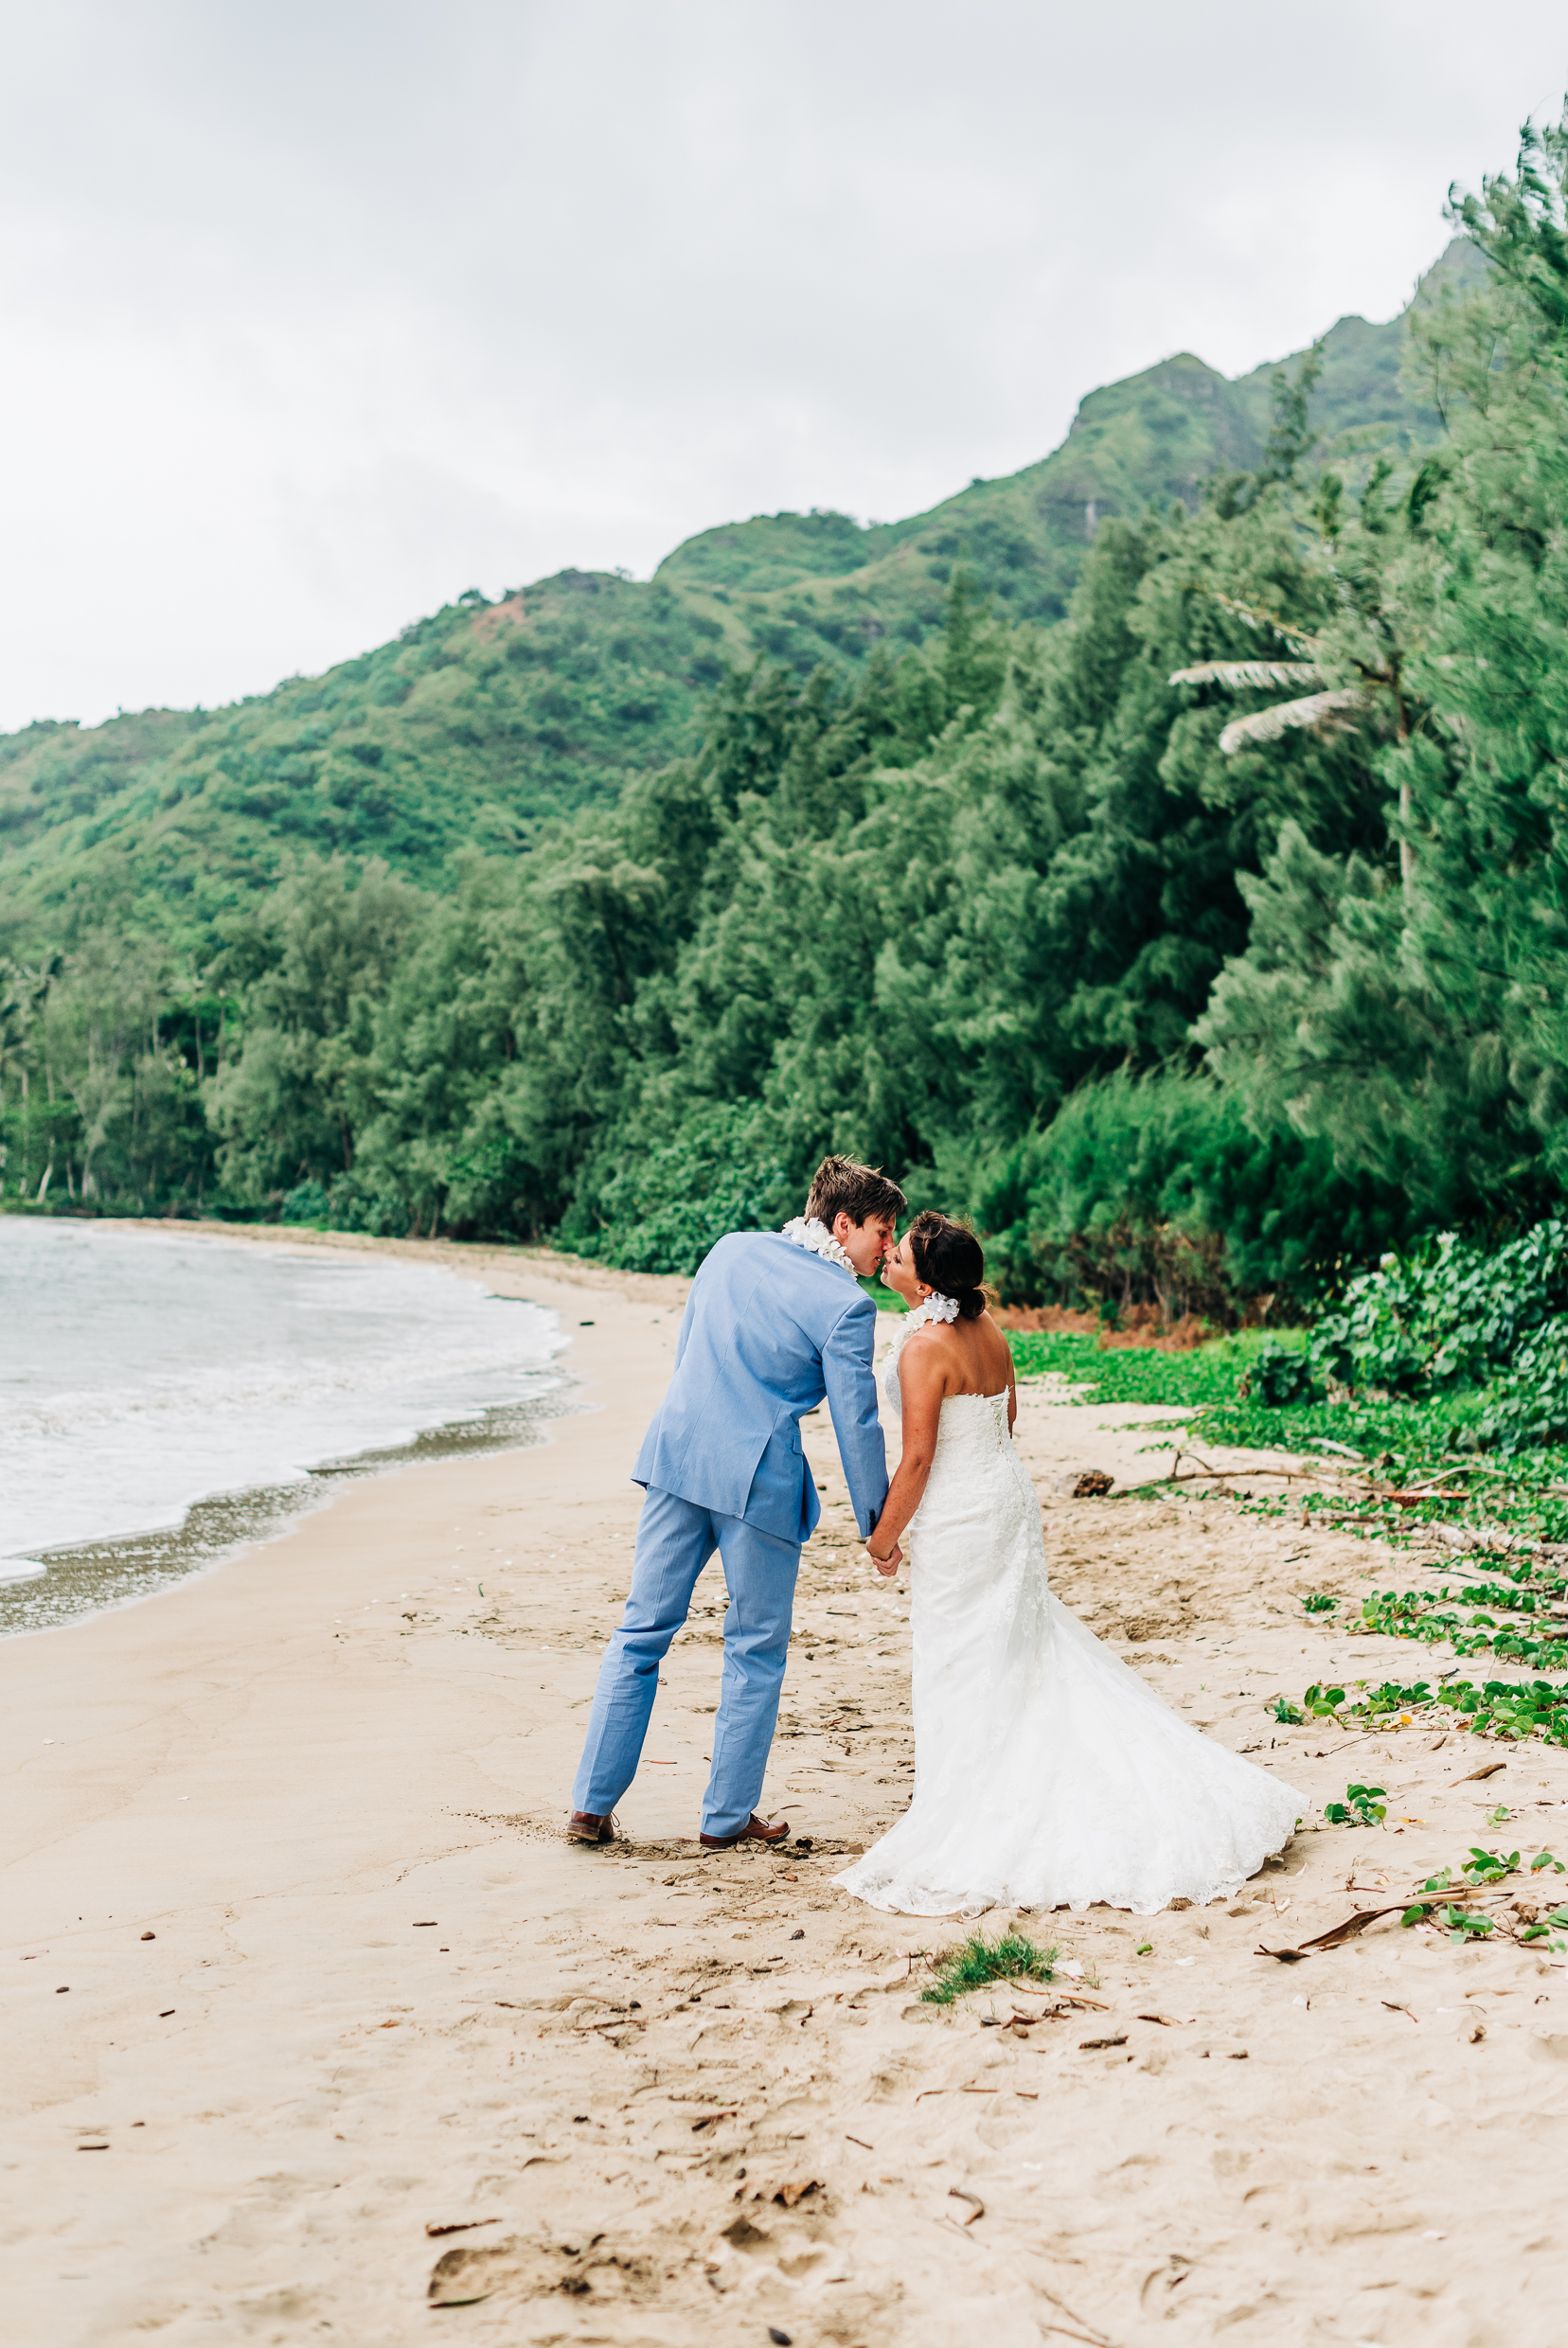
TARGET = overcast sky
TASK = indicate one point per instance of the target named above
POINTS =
(318, 314)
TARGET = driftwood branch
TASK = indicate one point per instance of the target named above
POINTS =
(1454, 1896)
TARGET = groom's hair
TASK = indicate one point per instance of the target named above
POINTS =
(840, 1186)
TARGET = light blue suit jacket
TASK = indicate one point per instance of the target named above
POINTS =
(769, 1330)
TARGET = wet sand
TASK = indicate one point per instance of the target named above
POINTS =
(290, 1932)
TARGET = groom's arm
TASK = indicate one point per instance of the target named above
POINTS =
(685, 1330)
(703, 1276)
(852, 1398)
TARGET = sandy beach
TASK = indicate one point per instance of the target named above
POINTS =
(317, 2028)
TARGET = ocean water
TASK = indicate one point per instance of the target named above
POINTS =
(167, 1396)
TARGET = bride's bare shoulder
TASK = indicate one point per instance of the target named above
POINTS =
(926, 1350)
(997, 1339)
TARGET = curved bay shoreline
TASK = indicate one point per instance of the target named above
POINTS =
(292, 1932)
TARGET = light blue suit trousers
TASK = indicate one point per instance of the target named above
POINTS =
(675, 1539)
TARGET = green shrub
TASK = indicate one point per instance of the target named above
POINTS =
(1277, 1377)
(722, 1173)
(1457, 1318)
(306, 1203)
(1529, 1406)
(358, 1203)
(1153, 1189)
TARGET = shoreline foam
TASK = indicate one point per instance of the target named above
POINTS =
(214, 1450)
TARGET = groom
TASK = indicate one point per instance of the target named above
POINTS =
(774, 1321)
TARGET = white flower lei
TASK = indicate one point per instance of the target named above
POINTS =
(936, 1309)
(818, 1240)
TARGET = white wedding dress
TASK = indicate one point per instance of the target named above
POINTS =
(1047, 1773)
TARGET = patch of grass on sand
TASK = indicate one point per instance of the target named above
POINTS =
(977, 1961)
(1195, 1381)
(1416, 1434)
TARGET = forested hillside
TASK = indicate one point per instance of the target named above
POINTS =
(1200, 942)
(483, 723)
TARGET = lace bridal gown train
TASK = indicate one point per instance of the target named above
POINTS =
(1047, 1773)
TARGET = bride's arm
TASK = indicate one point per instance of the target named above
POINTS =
(922, 1381)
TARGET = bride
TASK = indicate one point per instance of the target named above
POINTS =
(1047, 1773)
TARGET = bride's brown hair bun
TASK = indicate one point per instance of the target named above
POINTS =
(950, 1259)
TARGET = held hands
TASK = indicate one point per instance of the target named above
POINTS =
(887, 1565)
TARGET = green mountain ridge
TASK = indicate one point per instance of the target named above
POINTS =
(479, 725)
(1157, 436)
(1190, 997)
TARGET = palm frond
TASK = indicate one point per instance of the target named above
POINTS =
(1267, 725)
(1298, 642)
(1241, 675)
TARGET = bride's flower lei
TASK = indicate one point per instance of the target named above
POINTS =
(936, 1309)
(817, 1238)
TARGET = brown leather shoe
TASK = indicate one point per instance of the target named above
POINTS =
(582, 1826)
(755, 1830)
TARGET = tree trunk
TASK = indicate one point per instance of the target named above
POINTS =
(1407, 856)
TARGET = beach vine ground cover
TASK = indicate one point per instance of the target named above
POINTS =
(1524, 1920)
(1399, 1469)
(1364, 1806)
